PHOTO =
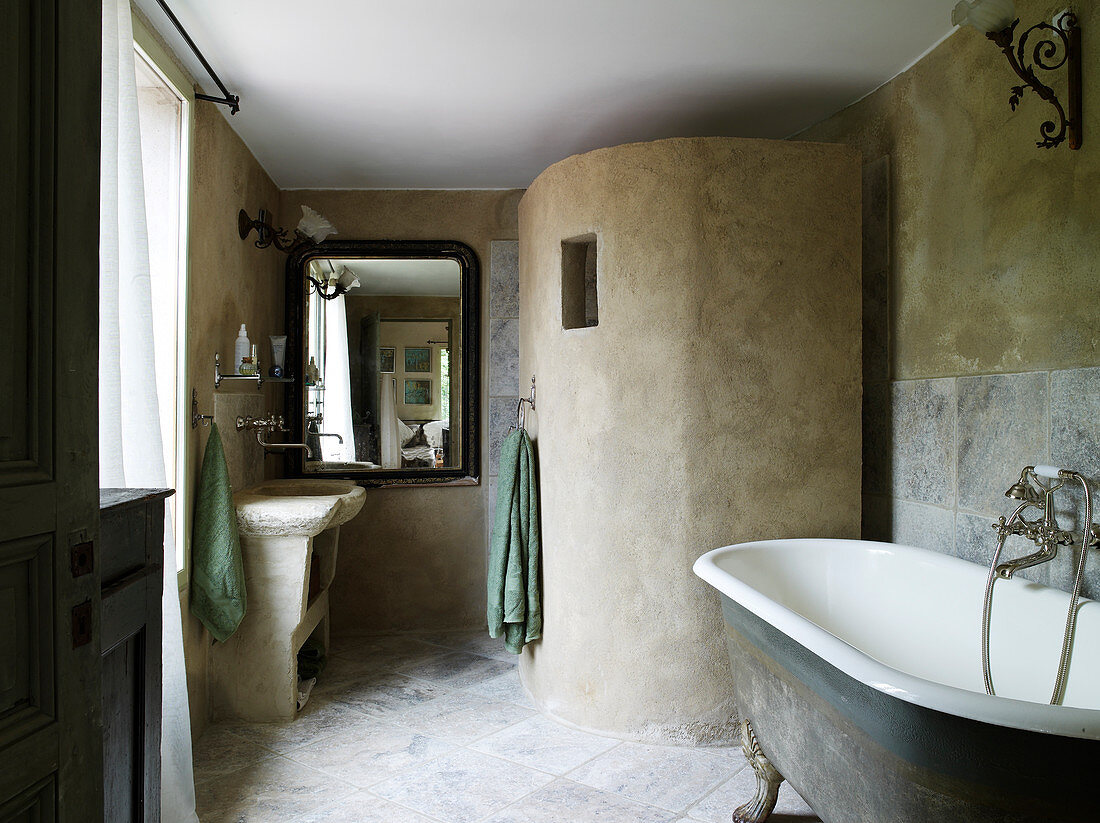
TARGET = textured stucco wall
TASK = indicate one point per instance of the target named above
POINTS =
(995, 253)
(717, 401)
(414, 558)
(230, 282)
(981, 268)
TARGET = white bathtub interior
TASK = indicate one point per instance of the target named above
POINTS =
(919, 612)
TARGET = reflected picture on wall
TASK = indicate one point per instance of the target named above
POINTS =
(418, 392)
(418, 360)
(386, 358)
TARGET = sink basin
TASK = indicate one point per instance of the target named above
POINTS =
(289, 541)
(298, 507)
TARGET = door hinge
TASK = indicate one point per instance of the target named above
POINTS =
(82, 558)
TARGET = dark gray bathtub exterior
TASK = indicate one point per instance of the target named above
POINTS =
(859, 755)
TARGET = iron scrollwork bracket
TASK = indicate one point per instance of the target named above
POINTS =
(1059, 45)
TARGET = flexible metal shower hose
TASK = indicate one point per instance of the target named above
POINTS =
(986, 607)
(1071, 618)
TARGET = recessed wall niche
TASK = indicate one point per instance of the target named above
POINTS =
(579, 302)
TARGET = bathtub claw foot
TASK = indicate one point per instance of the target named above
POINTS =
(768, 780)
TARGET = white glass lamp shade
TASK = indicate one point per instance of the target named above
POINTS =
(314, 226)
(346, 278)
(984, 15)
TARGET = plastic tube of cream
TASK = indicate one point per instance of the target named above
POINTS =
(278, 354)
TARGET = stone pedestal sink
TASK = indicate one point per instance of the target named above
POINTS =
(289, 532)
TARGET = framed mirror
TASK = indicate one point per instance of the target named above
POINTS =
(385, 375)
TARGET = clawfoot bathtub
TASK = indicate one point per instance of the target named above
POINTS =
(857, 670)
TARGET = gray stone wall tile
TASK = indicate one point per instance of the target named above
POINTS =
(1075, 442)
(928, 527)
(503, 358)
(504, 278)
(877, 449)
(944, 450)
(502, 411)
(1075, 420)
(1002, 422)
(922, 414)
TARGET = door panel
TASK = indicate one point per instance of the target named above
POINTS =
(50, 740)
(26, 644)
(35, 805)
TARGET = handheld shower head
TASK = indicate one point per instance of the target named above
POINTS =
(1023, 490)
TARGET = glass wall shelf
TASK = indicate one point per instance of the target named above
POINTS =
(258, 379)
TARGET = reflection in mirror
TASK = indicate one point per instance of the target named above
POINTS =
(385, 368)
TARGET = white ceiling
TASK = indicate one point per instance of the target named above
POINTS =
(396, 276)
(488, 93)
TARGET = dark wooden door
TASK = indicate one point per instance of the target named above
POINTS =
(131, 558)
(50, 739)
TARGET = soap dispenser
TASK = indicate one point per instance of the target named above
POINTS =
(241, 349)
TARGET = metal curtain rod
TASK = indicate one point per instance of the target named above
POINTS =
(231, 100)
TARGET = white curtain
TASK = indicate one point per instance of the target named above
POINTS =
(391, 440)
(337, 385)
(130, 451)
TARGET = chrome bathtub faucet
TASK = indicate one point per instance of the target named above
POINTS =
(1035, 489)
(1044, 531)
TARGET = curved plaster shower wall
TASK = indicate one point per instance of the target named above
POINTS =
(717, 400)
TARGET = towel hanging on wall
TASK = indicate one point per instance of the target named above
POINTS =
(217, 568)
(514, 607)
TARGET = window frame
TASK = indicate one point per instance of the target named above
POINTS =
(148, 47)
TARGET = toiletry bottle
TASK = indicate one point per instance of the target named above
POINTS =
(278, 354)
(255, 361)
(240, 349)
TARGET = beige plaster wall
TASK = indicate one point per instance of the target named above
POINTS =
(231, 282)
(414, 558)
(995, 253)
(718, 400)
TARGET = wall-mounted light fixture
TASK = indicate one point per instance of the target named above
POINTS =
(340, 279)
(312, 228)
(1056, 45)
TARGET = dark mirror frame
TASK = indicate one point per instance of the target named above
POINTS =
(468, 471)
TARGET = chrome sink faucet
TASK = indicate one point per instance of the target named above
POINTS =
(265, 425)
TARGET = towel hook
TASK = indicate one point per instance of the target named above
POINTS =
(196, 418)
(521, 410)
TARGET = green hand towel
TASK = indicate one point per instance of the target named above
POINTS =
(514, 604)
(217, 569)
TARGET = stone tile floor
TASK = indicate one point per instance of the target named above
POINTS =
(438, 729)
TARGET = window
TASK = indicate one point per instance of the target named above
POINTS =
(445, 381)
(164, 109)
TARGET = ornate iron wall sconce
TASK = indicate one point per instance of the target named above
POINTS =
(338, 282)
(1057, 45)
(312, 228)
